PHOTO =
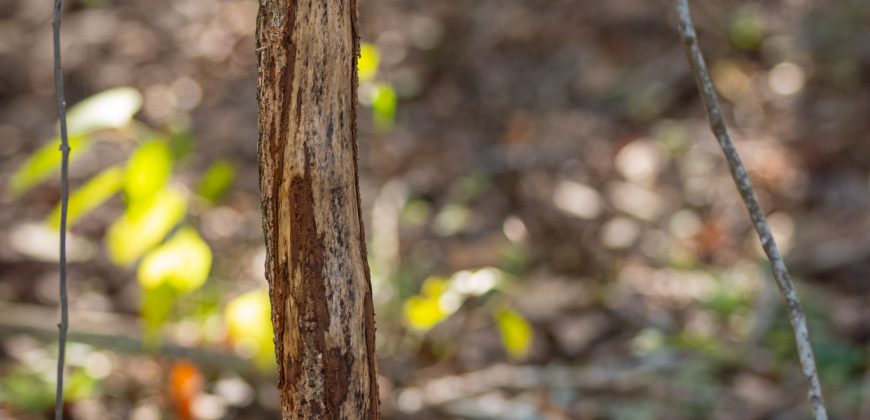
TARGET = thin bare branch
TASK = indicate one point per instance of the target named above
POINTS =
(741, 179)
(64, 204)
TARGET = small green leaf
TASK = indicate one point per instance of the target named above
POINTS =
(148, 169)
(452, 219)
(26, 390)
(112, 108)
(384, 107)
(217, 180)
(80, 386)
(747, 30)
(157, 303)
(183, 262)
(516, 332)
(29, 389)
(43, 163)
(471, 187)
(144, 226)
(369, 58)
(180, 140)
(249, 325)
(415, 212)
(90, 196)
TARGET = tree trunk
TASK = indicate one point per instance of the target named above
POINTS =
(316, 264)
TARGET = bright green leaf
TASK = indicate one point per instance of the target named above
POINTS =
(42, 163)
(369, 58)
(516, 332)
(79, 386)
(111, 108)
(144, 226)
(148, 169)
(384, 107)
(183, 262)
(217, 180)
(90, 196)
(249, 325)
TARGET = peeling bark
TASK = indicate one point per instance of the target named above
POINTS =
(316, 263)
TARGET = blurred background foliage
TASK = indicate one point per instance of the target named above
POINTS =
(552, 231)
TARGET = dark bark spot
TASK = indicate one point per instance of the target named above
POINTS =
(340, 367)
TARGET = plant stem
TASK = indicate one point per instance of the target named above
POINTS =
(744, 186)
(64, 204)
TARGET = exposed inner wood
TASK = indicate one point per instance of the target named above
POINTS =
(316, 258)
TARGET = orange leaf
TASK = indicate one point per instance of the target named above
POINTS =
(185, 382)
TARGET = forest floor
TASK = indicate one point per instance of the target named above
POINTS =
(553, 232)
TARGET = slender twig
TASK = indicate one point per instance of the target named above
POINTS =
(64, 203)
(741, 179)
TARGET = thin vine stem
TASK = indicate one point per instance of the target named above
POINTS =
(63, 326)
(759, 221)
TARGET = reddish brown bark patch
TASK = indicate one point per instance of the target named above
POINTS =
(307, 250)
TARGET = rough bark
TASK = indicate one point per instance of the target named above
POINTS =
(316, 265)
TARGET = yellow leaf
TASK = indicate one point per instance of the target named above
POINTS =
(430, 307)
(112, 108)
(423, 313)
(42, 163)
(249, 325)
(369, 58)
(147, 171)
(516, 332)
(183, 262)
(434, 287)
(144, 226)
(89, 196)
